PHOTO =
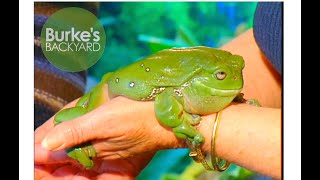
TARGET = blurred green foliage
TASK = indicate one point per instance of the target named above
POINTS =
(137, 29)
(129, 24)
(196, 171)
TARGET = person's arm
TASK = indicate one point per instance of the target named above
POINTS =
(260, 131)
(247, 136)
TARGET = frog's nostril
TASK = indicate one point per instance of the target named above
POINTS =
(235, 78)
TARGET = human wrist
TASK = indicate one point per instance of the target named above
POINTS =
(166, 139)
(205, 128)
(225, 130)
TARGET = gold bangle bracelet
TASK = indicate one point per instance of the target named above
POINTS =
(217, 163)
(198, 156)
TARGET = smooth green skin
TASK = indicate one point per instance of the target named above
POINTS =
(181, 81)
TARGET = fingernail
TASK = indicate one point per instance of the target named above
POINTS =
(47, 144)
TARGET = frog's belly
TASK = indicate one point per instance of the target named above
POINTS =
(206, 104)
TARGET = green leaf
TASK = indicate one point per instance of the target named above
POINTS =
(157, 44)
(185, 36)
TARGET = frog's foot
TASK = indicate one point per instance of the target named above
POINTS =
(83, 154)
(253, 102)
(240, 99)
(185, 130)
(193, 119)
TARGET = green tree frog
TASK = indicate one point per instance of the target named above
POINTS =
(185, 83)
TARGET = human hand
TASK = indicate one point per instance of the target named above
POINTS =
(125, 144)
(57, 165)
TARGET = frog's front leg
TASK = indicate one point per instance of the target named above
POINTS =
(170, 113)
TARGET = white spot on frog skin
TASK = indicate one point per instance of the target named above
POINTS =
(131, 84)
(142, 65)
(147, 69)
(161, 77)
(117, 80)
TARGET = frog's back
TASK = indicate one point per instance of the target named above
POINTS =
(146, 78)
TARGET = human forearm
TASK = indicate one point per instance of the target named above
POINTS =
(247, 136)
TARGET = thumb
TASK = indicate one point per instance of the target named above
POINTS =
(42, 156)
(76, 131)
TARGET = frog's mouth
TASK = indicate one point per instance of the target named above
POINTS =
(223, 92)
(215, 91)
(218, 92)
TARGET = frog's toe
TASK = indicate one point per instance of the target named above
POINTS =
(196, 119)
(198, 139)
(253, 102)
(180, 135)
(82, 156)
(185, 130)
(89, 150)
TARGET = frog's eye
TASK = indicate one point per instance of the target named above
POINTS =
(220, 75)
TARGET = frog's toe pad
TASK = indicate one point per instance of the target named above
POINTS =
(253, 102)
(196, 119)
(198, 139)
(82, 157)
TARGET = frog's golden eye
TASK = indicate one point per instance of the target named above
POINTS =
(220, 75)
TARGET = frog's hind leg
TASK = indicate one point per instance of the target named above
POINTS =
(170, 112)
(93, 99)
(78, 153)
(74, 112)
(98, 94)
(86, 103)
